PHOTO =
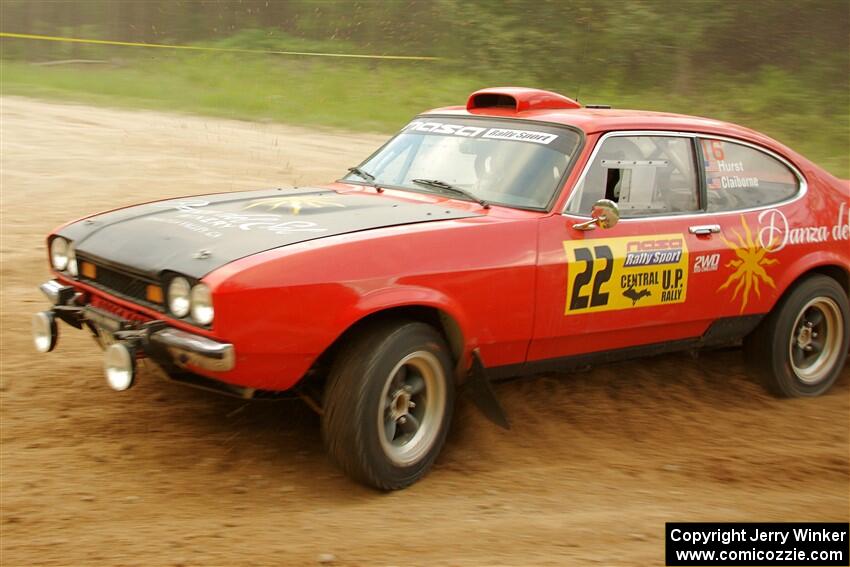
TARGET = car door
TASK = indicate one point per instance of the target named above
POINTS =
(754, 196)
(633, 284)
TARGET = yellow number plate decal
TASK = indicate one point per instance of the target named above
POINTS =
(605, 274)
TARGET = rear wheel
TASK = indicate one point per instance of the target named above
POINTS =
(801, 346)
(388, 404)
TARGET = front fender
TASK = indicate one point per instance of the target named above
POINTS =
(283, 308)
(409, 296)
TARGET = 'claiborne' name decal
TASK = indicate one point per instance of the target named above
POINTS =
(606, 274)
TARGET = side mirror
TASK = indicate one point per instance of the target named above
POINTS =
(605, 213)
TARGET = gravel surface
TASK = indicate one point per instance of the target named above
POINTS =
(168, 475)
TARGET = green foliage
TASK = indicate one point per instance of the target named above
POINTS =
(274, 40)
(293, 91)
(776, 66)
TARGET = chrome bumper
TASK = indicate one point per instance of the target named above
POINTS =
(155, 339)
(187, 349)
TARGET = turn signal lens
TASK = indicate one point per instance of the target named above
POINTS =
(88, 270)
(154, 294)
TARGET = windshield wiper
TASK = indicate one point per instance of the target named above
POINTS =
(447, 187)
(360, 173)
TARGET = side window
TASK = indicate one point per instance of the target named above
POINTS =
(644, 175)
(741, 177)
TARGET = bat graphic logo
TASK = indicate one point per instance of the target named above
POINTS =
(636, 295)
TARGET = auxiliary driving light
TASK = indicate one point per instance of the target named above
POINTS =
(119, 364)
(44, 331)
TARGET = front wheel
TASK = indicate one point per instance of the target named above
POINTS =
(388, 404)
(801, 346)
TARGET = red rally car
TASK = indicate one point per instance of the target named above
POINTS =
(517, 234)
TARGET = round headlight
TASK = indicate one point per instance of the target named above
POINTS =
(59, 253)
(178, 297)
(202, 308)
(72, 261)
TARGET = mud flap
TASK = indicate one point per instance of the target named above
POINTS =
(477, 388)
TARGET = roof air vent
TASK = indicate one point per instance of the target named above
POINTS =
(518, 99)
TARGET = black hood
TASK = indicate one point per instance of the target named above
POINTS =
(196, 235)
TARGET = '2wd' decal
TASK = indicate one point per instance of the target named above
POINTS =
(623, 273)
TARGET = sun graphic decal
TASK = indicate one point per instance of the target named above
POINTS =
(296, 203)
(749, 265)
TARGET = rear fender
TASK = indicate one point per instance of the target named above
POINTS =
(808, 263)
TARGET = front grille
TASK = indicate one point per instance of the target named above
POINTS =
(122, 283)
(119, 283)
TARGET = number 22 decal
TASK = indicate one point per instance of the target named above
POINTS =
(596, 297)
(626, 272)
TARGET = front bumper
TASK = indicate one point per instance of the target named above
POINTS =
(170, 347)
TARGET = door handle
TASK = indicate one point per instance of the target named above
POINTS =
(702, 229)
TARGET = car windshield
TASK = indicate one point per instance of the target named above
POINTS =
(506, 162)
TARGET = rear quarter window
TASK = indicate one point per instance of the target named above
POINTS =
(741, 177)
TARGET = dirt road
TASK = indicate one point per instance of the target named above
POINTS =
(167, 475)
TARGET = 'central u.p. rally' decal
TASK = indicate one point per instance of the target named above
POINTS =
(605, 274)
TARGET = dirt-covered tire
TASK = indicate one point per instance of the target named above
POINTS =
(388, 403)
(800, 348)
